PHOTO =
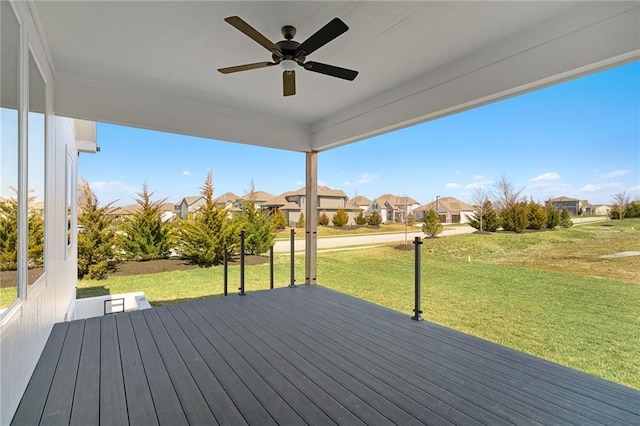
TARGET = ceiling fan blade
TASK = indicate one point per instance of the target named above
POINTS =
(331, 70)
(324, 35)
(245, 67)
(288, 83)
(247, 29)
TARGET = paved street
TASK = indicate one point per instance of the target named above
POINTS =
(374, 239)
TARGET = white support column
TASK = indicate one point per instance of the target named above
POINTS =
(311, 218)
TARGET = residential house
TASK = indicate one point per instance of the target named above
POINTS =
(292, 203)
(258, 197)
(571, 204)
(596, 209)
(393, 208)
(188, 206)
(167, 212)
(124, 212)
(449, 209)
(230, 202)
(361, 202)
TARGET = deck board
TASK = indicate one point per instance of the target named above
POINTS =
(307, 355)
(86, 397)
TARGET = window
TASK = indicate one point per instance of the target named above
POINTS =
(68, 196)
(9, 95)
(36, 141)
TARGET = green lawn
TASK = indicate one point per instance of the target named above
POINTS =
(549, 293)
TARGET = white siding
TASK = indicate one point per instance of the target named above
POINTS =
(25, 325)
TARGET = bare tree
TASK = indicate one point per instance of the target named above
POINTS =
(506, 194)
(480, 201)
(621, 201)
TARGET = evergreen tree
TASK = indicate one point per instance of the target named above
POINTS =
(565, 219)
(360, 219)
(204, 239)
(633, 209)
(432, 225)
(340, 218)
(515, 217)
(537, 216)
(411, 219)
(279, 220)
(553, 216)
(258, 229)
(300, 223)
(8, 234)
(146, 236)
(374, 219)
(490, 219)
(323, 219)
(97, 240)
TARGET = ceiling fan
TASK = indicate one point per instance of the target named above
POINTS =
(290, 54)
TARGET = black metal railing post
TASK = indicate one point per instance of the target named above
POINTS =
(271, 267)
(225, 275)
(418, 284)
(293, 263)
(241, 263)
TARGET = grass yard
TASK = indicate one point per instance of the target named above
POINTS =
(549, 294)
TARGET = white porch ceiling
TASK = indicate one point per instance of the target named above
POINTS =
(152, 64)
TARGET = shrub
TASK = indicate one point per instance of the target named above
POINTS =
(8, 234)
(204, 239)
(633, 209)
(515, 217)
(537, 216)
(374, 219)
(411, 219)
(323, 219)
(553, 216)
(490, 219)
(279, 220)
(360, 219)
(565, 219)
(300, 223)
(146, 236)
(432, 225)
(97, 240)
(258, 229)
(340, 218)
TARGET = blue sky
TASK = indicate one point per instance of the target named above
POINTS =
(579, 139)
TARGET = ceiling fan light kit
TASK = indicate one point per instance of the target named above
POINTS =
(290, 54)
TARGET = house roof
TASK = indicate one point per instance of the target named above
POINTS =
(279, 200)
(360, 200)
(323, 191)
(449, 204)
(190, 200)
(258, 196)
(162, 60)
(563, 198)
(227, 196)
(395, 201)
(124, 210)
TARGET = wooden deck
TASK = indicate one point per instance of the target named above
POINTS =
(294, 356)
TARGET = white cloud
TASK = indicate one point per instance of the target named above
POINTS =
(452, 185)
(597, 187)
(322, 183)
(479, 177)
(186, 173)
(546, 177)
(367, 177)
(474, 185)
(615, 173)
(108, 191)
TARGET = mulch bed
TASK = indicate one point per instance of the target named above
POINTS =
(167, 265)
(10, 278)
